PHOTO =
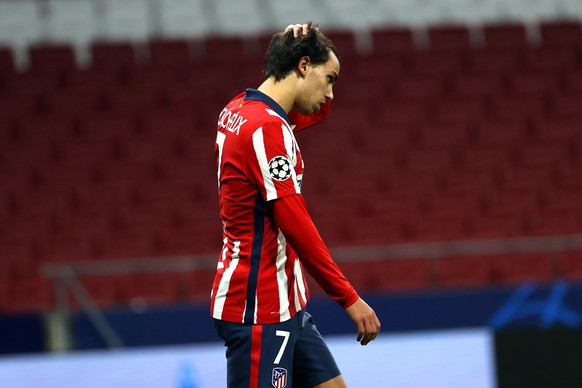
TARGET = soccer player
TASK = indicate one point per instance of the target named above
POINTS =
(260, 292)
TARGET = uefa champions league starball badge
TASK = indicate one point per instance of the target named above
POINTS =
(280, 168)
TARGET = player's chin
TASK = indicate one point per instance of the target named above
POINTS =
(317, 108)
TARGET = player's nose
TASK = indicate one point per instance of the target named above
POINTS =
(329, 93)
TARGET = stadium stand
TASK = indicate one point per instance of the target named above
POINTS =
(456, 140)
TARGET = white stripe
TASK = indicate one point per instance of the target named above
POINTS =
(220, 298)
(300, 282)
(290, 144)
(282, 278)
(256, 309)
(259, 146)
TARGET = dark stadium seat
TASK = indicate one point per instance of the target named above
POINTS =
(570, 265)
(389, 275)
(465, 271)
(436, 63)
(477, 85)
(165, 52)
(7, 66)
(501, 132)
(572, 81)
(420, 87)
(505, 36)
(493, 61)
(221, 49)
(523, 267)
(150, 289)
(28, 296)
(391, 41)
(566, 106)
(519, 107)
(449, 37)
(551, 59)
(54, 57)
(461, 110)
(109, 56)
(533, 84)
(566, 33)
(197, 285)
(345, 41)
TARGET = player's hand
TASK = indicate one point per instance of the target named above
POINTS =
(299, 29)
(366, 321)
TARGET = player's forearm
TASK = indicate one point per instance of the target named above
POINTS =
(292, 218)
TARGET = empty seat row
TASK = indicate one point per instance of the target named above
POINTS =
(388, 275)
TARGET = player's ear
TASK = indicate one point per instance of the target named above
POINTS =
(303, 65)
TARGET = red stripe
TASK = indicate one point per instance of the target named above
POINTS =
(256, 339)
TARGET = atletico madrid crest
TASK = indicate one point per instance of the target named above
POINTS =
(279, 377)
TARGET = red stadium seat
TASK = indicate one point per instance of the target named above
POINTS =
(505, 36)
(7, 66)
(112, 55)
(519, 107)
(561, 33)
(467, 271)
(572, 82)
(105, 291)
(28, 296)
(392, 41)
(570, 265)
(345, 41)
(494, 61)
(533, 84)
(166, 52)
(197, 286)
(523, 267)
(388, 275)
(480, 85)
(566, 107)
(420, 87)
(221, 49)
(449, 37)
(54, 57)
(559, 129)
(461, 110)
(551, 59)
(436, 63)
(151, 289)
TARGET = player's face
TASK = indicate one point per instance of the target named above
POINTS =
(319, 83)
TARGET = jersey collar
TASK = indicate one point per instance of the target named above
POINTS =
(253, 94)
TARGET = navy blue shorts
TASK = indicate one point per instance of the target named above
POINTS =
(286, 354)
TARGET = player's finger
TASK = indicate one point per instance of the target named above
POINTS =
(294, 27)
(361, 331)
(368, 335)
(372, 328)
(305, 29)
(297, 30)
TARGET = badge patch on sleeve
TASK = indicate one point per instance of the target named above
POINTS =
(280, 168)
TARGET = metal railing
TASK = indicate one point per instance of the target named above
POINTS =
(66, 275)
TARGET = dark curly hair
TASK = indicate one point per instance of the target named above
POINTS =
(285, 51)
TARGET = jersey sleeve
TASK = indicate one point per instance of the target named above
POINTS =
(293, 220)
(273, 162)
(301, 121)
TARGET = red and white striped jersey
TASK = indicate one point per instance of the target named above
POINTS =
(259, 278)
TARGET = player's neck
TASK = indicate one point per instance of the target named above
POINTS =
(281, 92)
